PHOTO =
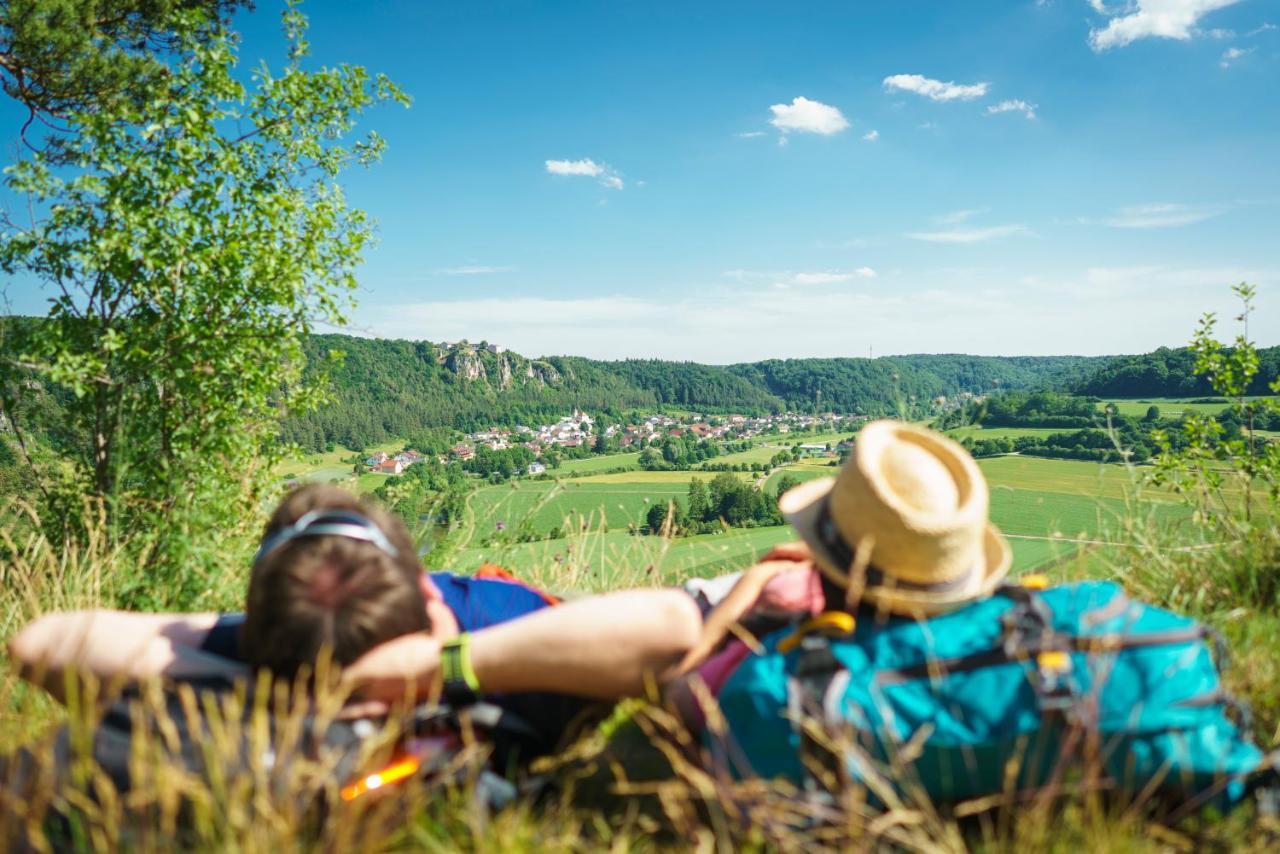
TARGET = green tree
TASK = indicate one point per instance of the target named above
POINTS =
(699, 500)
(1211, 452)
(63, 57)
(785, 483)
(199, 237)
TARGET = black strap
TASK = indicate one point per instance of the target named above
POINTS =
(815, 670)
(844, 555)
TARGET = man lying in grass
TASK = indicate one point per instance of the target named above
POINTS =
(334, 573)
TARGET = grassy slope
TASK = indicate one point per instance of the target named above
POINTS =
(1169, 407)
(1030, 498)
(1044, 507)
(595, 464)
(977, 431)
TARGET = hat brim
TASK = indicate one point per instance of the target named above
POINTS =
(802, 506)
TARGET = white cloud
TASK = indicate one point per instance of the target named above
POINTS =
(971, 235)
(1260, 29)
(473, 270)
(787, 278)
(871, 136)
(588, 168)
(805, 116)
(1013, 105)
(957, 217)
(936, 90)
(982, 312)
(829, 278)
(1169, 19)
(751, 134)
(1158, 215)
(1231, 54)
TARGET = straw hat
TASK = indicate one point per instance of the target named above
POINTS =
(904, 525)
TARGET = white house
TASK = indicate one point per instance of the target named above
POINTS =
(536, 468)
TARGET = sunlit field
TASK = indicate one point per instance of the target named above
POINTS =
(1170, 407)
(1047, 508)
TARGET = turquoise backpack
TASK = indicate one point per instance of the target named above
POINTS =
(1009, 694)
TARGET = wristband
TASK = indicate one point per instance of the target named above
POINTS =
(460, 686)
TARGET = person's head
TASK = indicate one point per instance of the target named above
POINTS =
(905, 524)
(334, 573)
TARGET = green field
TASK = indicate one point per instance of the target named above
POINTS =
(786, 440)
(597, 561)
(758, 454)
(977, 431)
(545, 504)
(667, 477)
(801, 471)
(594, 464)
(1049, 509)
(1169, 407)
(329, 465)
(1073, 477)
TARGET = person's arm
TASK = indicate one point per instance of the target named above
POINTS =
(602, 647)
(115, 646)
(743, 597)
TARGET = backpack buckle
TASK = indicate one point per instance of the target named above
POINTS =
(828, 624)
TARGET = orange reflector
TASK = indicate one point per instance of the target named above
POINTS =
(828, 622)
(1034, 582)
(1053, 660)
(402, 768)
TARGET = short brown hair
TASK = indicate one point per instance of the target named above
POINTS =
(329, 591)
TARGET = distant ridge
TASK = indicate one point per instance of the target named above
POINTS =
(386, 389)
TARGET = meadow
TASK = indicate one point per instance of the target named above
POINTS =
(977, 431)
(1169, 407)
(597, 464)
(1049, 509)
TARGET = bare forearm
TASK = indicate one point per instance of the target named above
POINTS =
(112, 646)
(605, 647)
(730, 610)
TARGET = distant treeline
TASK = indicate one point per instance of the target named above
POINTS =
(383, 389)
(1167, 373)
(388, 389)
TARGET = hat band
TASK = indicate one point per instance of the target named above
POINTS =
(317, 523)
(830, 537)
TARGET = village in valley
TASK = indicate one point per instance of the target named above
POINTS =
(580, 431)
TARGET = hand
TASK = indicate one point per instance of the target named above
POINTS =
(407, 667)
(797, 550)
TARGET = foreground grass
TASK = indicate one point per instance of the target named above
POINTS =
(1233, 586)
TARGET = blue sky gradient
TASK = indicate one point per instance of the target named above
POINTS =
(1143, 184)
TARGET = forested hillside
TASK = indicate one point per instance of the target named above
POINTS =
(384, 389)
(878, 386)
(1167, 373)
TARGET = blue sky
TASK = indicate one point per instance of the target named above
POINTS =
(732, 181)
